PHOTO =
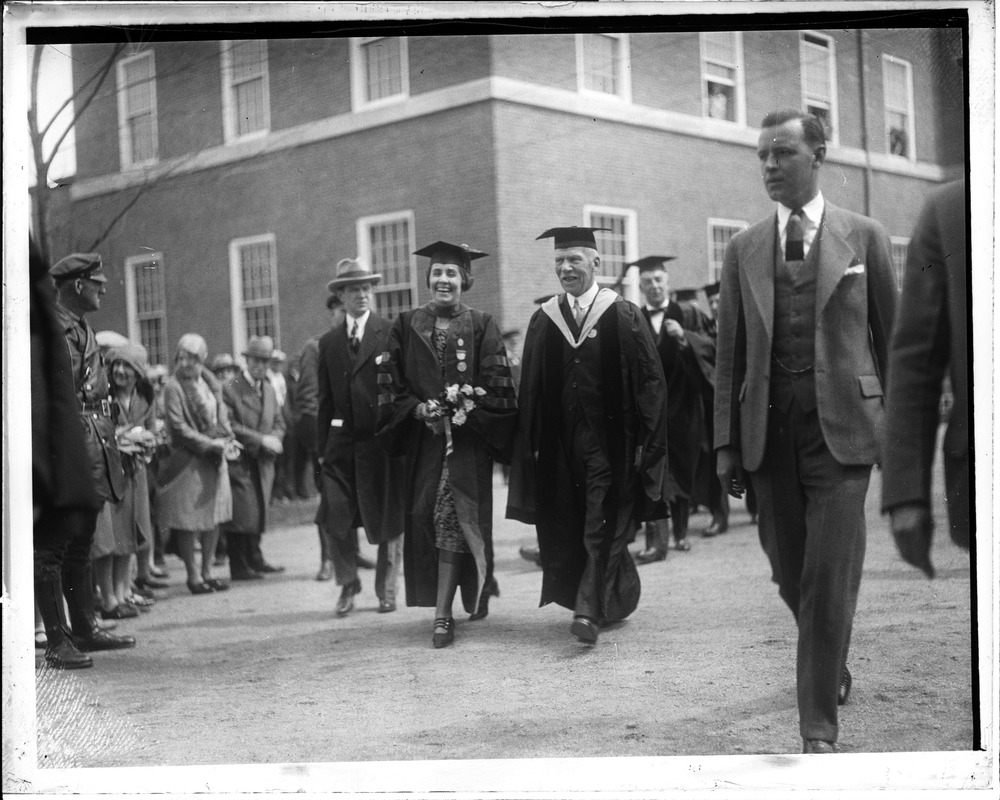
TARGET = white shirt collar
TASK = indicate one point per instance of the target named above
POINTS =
(811, 211)
(587, 298)
(361, 322)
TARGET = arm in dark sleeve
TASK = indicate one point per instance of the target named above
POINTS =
(495, 415)
(730, 352)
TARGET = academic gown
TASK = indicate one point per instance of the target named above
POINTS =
(409, 373)
(616, 363)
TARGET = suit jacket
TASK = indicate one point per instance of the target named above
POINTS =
(855, 307)
(251, 476)
(362, 485)
(931, 336)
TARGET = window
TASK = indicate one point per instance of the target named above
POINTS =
(900, 247)
(897, 78)
(246, 96)
(722, 75)
(720, 231)
(137, 110)
(602, 64)
(380, 71)
(145, 305)
(253, 284)
(616, 246)
(386, 243)
(819, 79)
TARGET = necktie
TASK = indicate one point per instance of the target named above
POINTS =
(260, 389)
(794, 238)
(579, 313)
(355, 343)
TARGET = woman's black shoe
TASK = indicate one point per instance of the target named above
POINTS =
(444, 631)
(490, 589)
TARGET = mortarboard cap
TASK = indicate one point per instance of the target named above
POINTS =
(711, 290)
(79, 265)
(572, 237)
(685, 295)
(650, 262)
(448, 253)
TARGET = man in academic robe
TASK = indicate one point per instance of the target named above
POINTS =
(806, 309)
(362, 485)
(590, 456)
(678, 352)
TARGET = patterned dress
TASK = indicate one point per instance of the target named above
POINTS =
(448, 531)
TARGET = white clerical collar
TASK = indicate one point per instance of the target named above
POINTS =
(586, 299)
(360, 322)
(812, 211)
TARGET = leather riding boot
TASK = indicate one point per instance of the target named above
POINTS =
(87, 634)
(60, 652)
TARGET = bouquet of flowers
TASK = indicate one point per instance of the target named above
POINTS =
(453, 406)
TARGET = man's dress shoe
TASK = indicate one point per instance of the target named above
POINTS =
(102, 640)
(325, 571)
(531, 554)
(819, 746)
(715, 528)
(683, 545)
(365, 563)
(345, 604)
(386, 606)
(245, 575)
(844, 691)
(269, 568)
(584, 628)
(651, 554)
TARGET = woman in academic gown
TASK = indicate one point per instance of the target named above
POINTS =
(448, 539)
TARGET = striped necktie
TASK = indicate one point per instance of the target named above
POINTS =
(355, 342)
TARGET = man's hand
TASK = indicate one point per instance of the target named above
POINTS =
(673, 328)
(271, 443)
(912, 528)
(729, 468)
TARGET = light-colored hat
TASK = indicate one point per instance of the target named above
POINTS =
(110, 339)
(279, 355)
(193, 343)
(352, 270)
(223, 361)
(260, 347)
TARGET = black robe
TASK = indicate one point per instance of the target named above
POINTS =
(630, 424)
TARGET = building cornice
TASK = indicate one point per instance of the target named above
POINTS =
(495, 89)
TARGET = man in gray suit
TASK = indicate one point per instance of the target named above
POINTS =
(806, 309)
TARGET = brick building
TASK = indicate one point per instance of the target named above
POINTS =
(236, 173)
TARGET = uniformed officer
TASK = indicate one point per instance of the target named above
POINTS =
(63, 537)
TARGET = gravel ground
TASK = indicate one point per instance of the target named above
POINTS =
(265, 674)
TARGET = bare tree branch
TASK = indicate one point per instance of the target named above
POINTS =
(82, 88)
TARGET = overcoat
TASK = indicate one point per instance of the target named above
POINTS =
(931, 339)
(251, 475)
(409, 374)
(193, 492)
(855, 305)
(362, 483)
(632, 432)
(130, 518)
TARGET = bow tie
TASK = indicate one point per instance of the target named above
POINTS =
(654, 311)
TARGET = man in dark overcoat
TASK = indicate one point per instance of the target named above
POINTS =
(362, 486)
(805, 313)
(64, 531)
(678, 349)
(259, 427)
(931, 339)
(590, 455)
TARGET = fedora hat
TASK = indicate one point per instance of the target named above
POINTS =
(352, 270)
(259, 347)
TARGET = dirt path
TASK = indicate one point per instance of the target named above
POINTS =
(265, 673)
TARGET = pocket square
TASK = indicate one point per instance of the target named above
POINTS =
(857, 269)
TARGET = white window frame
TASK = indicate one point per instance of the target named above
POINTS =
(831, 102)
(124, 137)
(630, 283)
(362, 228)
(236, 289)
(359, 73)
(132, 301)
(718, 222)
(228, 101)
(623, 68)
(739, 90)
(899, 269)
(911, 140)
